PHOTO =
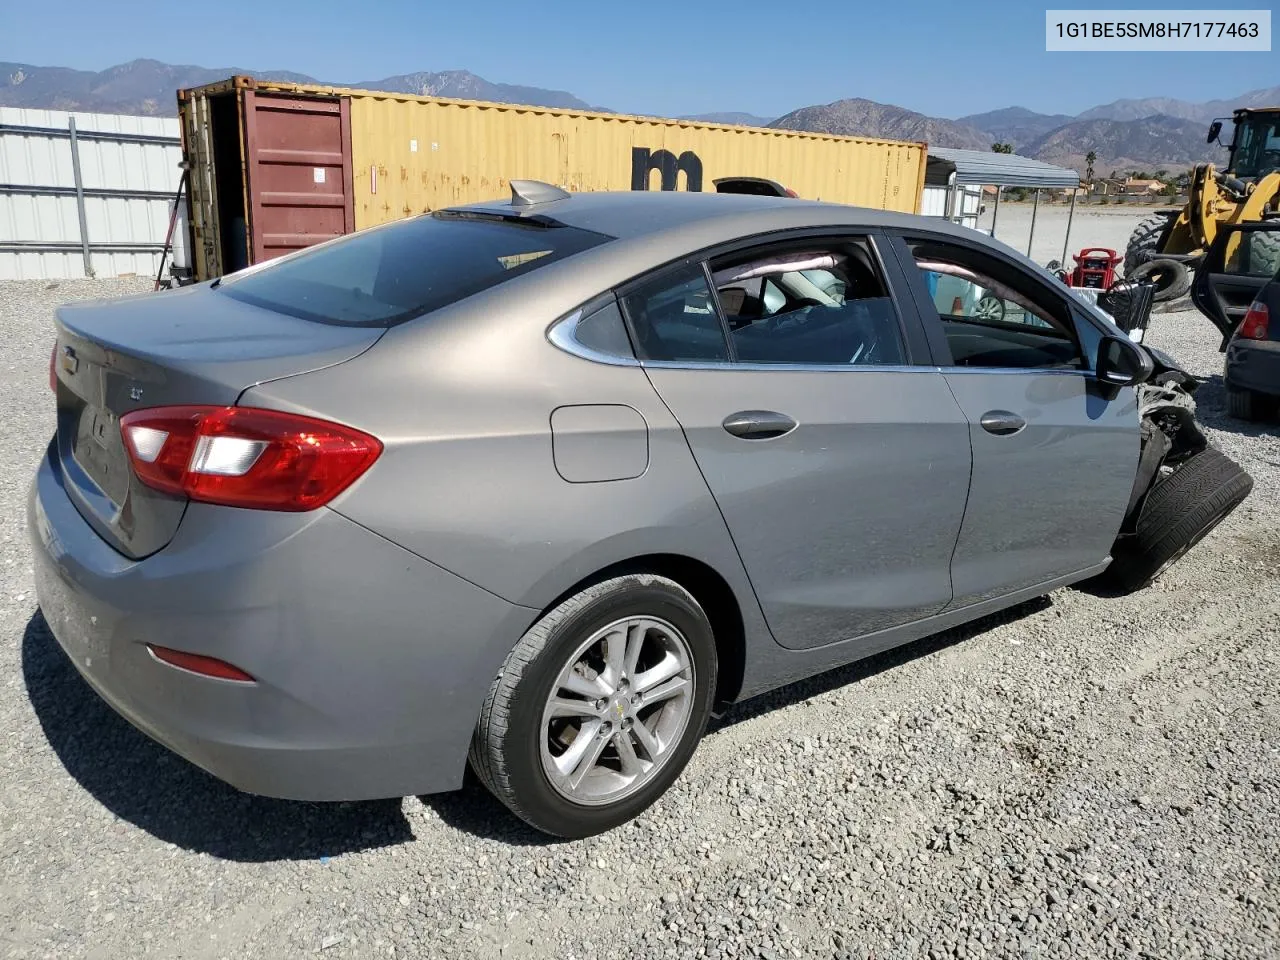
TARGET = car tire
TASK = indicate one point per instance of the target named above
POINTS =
(1171, 277)
(519, 741)
(1179, 510)
(1144, 242)
(990, 307)
(1248, 404)
(1265, 247)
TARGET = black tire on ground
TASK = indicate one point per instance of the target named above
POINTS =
(1248, 404)
(1144, 242)
(1172, 278)
(506, 747)
(1179, 510)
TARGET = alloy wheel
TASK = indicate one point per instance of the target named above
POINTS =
(617, 710)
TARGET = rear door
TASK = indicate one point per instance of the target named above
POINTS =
(1054, 454)
(840, 464)
(1239, 263)
(298, 162)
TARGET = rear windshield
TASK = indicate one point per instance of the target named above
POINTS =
(383, 276)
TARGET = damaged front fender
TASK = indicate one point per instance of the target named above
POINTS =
(1170, 435)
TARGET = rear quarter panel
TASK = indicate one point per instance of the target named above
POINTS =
(463, 401)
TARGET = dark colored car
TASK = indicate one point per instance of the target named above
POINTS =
(1238, 288)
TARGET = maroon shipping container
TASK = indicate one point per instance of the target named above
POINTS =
(270, 173)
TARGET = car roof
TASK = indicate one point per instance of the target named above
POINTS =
(676, 214)
(655, 229)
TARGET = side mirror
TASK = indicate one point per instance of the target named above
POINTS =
(1122, 363)
(1215, 128)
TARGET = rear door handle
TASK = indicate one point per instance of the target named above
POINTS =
(1002, 423)
(758, 424)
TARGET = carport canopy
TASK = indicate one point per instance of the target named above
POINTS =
(952, 168)
(995, 169)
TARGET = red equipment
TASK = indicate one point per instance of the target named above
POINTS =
(1095, 268)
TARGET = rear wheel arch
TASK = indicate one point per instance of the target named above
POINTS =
(713, 594)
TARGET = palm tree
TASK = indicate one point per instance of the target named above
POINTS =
(1089, 159)
(1002, 148)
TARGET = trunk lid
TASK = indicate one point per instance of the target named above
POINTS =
(190, 346)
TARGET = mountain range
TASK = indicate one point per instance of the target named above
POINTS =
(148, 87)
(1150, 134)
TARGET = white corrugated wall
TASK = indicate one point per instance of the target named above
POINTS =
(933, 203)
(44, 160)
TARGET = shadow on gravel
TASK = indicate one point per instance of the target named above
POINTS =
(1211, 410)
(1101, 590)
(474, 810)
(864, 669)
(145, 784)
(142, 782)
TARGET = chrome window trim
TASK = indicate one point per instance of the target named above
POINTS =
(858, 368)
(561, 335)
(1024, 371)
(788, 367)
(563, 332)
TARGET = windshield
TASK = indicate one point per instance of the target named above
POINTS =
(1257, 146)
(383, 276)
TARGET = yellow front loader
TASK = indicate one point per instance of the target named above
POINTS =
(1166, 245)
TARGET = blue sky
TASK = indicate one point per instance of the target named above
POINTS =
(941, 57)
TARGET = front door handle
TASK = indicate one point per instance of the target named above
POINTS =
(1002, 423)
(758, 424)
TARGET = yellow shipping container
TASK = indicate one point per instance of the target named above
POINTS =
(276, 166)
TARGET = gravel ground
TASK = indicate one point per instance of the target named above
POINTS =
(1077, 777)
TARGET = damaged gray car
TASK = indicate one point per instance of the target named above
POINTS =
(536, 486)
(1183, 487)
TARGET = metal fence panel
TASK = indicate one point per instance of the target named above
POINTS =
(129, 172)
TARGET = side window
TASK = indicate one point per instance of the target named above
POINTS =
(604, 332)
(674, 318)
(991, 314)
(825, 304)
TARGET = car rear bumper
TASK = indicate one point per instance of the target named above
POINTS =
(370, 664)
(1254, 365)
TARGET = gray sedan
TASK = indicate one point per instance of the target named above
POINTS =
(539, 485)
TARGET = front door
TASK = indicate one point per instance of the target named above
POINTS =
(840, 468)
(1054, 455)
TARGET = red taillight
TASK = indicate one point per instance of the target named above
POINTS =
(245, 456)
(53, 368)
(791, 193)
(195, 663)
(1256, 323)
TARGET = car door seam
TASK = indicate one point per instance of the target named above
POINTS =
(964, 514)
(719, 511)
